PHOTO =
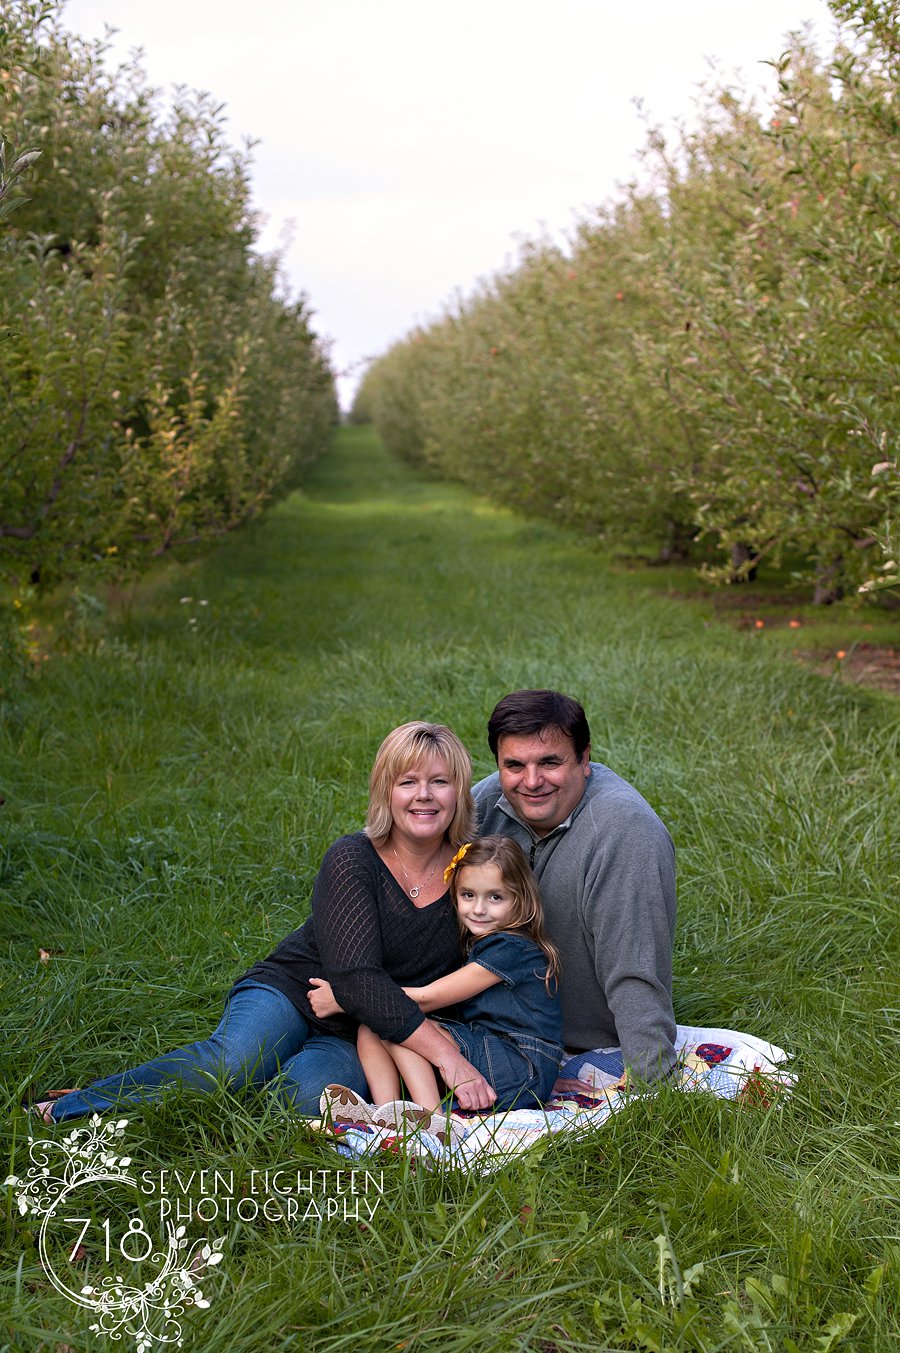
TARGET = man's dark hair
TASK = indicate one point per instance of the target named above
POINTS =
(527, 713)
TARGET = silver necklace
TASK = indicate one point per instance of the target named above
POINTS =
(415, 888)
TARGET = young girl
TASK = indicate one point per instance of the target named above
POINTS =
(510, 1025)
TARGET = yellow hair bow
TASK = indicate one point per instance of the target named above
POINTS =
(457, 859)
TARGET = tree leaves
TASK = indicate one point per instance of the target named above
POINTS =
(156, 385)
(716, 357)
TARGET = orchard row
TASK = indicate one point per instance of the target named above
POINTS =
(716, 357)
(156, 386)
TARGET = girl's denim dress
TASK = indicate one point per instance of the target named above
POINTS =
(512, 1032)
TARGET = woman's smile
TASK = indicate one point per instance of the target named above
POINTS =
(423, 799)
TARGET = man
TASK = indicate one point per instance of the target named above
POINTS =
(606, 866)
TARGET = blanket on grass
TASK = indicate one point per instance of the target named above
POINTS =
(722, 1062)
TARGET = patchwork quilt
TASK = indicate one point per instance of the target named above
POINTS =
(721, 1062)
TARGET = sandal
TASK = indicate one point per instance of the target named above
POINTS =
(341, 1105)
(41, 1107)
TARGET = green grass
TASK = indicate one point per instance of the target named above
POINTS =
(170, 789)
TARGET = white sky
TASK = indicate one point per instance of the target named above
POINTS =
(410, 143)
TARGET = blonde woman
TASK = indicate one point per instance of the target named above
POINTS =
(381, 919)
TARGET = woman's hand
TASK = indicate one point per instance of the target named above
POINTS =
(468, 1085)
(321, 998)
(436, 1046)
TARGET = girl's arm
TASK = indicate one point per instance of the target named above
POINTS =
(456, 986)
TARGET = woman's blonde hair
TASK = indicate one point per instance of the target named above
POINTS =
(406, 748)
(527, 915)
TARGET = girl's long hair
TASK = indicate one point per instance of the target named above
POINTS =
(527, 915)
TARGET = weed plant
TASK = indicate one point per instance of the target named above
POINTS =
(171, 786)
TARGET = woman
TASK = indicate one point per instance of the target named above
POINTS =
(381, 919)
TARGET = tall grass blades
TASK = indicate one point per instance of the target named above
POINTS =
(171, 783)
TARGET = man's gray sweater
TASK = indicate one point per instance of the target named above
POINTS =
(607, 878)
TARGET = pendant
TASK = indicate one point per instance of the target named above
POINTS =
(414, 892)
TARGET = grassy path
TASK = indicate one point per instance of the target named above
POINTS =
(171, 787)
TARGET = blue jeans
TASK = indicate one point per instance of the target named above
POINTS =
(521, 1071)
(260, 1035)
(603, 1059)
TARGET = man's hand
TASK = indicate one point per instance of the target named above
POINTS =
(321, 998)
(566, 1086)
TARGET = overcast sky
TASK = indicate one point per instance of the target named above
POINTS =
(408, 144)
